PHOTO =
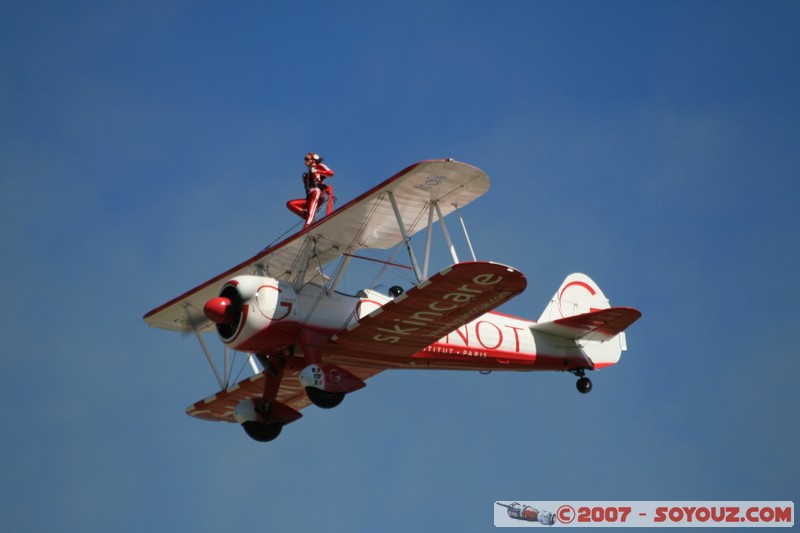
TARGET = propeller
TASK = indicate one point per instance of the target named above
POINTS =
(225, 311)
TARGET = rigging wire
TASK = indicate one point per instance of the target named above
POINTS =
(356, 235)
(397, 248)
(282, 235)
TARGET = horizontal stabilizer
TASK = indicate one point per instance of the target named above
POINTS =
(601, 325)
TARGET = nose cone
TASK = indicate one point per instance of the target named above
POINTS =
(218, 310)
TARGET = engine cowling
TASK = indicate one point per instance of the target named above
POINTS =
(249, 305)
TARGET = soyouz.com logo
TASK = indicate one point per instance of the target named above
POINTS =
(644, 514)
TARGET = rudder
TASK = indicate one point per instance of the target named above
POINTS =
(577, 295)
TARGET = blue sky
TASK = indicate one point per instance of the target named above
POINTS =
(146, 147)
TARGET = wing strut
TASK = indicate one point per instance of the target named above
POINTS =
(433, 206)
(208, 354)
(428, 236)
(446, 233)
(226, 365)
(466, 235)
(338, 274)
(406, 238)
(252, 360)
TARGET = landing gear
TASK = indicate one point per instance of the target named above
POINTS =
(326, 385)
(324, 399)
(263, 418)
(262, 432)
(584, 384)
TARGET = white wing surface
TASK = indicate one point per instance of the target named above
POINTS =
(369, 221)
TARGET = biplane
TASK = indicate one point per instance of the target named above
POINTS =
(310, 343)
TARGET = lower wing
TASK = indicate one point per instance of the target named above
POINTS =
(220, 407)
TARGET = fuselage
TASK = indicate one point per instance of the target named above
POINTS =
(274, 314)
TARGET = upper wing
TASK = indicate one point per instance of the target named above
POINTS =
(369, 221)
(601, 325)
(220, 406)
(429, 311)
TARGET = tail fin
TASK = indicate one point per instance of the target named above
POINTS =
(577, 295)
(579, 311)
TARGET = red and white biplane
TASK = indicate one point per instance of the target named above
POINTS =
(316, 344)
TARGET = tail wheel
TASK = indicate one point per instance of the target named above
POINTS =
(262, 432)
(324, 399)
(584, 385)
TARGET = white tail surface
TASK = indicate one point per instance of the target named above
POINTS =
(578, 294)
(580, 312)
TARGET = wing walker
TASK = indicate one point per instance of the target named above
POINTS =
(308, 343)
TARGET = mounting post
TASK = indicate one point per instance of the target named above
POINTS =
(446, 234)
(464, 227)
(210, 359)
(406, 238)
(427, 258)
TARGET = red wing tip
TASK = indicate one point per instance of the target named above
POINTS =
(631, 311)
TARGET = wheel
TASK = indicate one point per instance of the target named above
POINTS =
(262, 432)
(323, 399)
(396, 291)
(584, 385)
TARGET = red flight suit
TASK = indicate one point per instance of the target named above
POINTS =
(306, 208)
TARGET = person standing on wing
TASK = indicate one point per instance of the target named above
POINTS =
(306, 208)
